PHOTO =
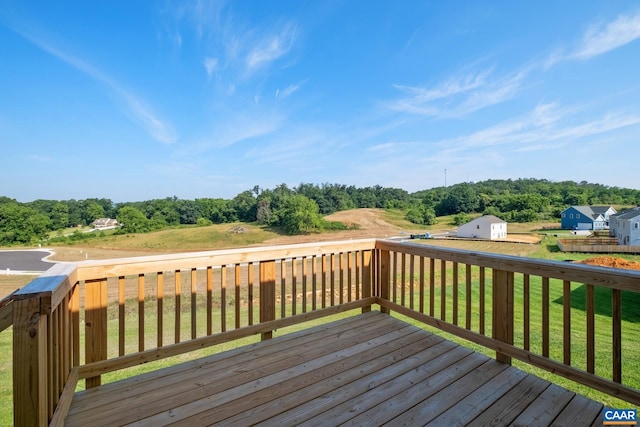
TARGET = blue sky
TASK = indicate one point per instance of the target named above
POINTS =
(135, 100)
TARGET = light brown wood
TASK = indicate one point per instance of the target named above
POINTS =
(141, 311)
(95, 326)
(160, 310)
(526, 311)
(194, 294)
(503, 309)
(566, 322)
(591, 342)
(267, 294)
(121, 316)
(30, 400)
(6, 313)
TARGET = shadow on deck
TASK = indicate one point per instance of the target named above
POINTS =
(370, 369)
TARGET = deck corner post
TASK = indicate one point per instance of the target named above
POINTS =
(384, 281)
(503, 319)
(267, 295)
(30, 398)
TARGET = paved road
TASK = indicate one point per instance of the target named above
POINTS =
(21, 261)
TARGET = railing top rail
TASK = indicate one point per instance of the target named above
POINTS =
(628, 280)
(88, 270)
(54, 283)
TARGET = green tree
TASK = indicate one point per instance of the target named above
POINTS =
(22, 224)
(132, 220)
(300, 214)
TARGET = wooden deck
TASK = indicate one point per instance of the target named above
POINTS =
(370, 369)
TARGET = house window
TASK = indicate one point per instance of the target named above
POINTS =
(571, 216)
(478, 227)
(562, 215)
(577, 216)
(635, 225)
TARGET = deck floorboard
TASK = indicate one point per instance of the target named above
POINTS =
(370, 369)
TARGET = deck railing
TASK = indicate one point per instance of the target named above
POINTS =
(81, 321)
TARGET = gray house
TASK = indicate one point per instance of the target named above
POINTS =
(625, 226)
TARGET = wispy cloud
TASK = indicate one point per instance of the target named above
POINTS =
(543, 128)
(286, 92)
(140, 112)
(459, 96)
(602, 38)
(271, 47)
(211, 65)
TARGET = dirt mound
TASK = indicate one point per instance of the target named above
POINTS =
(608, 261)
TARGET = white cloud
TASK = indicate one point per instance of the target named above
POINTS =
(460, 96)
(602, 38)
(271, 47)
(286, 92)
(211, 65)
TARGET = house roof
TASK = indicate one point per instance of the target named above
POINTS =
(628, 214)
(592, 212)
(488, 219)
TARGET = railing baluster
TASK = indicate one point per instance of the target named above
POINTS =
(566, 321)
(209, 300)
(616, 320)
(121, 316)
(324, 280)
(591, 342)
(294, 287)
(194, 294)
(177, 310)
(432, 286)
(160, 308)
(237, 275)
(250, 292)
(421, 285)
(341, 276)
(223, 298)
(455, 285)
(411, 280)
(526, 308)
(267, 294)
(349, 256)
(75, 324)
(314, 281)
(467, 291)
(482, 301)
(283, 288)
(358, 266)
(383, 280)
(140, 312)
(394, 278)
(367, 278)
(332, 299)
(403, 280)
(304, 284)
(503, 293)
(545, 316)
(443, 290)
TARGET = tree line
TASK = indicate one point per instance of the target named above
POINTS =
(301, 209)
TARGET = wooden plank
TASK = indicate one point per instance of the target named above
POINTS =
(209, 300)
(403, 392)
(580, 411)
(384, 281)
(463, 412)
(75, 324)
(121, 316)
(432, 286)
(6, 315)
(511, 404)
(267, 294)
(66, 398)
(467, 314)
(526, 312)
(289, 386)
(177, 280)
(455, 285)
(546, 407)
(545, 316)
(421, 286)
(223, 299)
(183, 398)
(325, 384)
(250, 274)
(443, 289)
(437, 403)
(236, 303)
(194, 302)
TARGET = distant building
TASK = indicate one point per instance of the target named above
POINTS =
(625, 226)
(586, 217)
(486, 227)
(104, 223)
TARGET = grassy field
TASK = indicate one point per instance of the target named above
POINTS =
(220, 236)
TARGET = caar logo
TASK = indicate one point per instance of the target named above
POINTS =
(619, 417)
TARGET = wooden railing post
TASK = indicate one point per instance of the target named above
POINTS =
(384, 281)
(367, 278)
(503, 310)
(267, 294)
(95, 318)
(30, 363)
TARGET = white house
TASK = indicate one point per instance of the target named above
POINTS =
(625, 226)
(486, 227)
(104, 223)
